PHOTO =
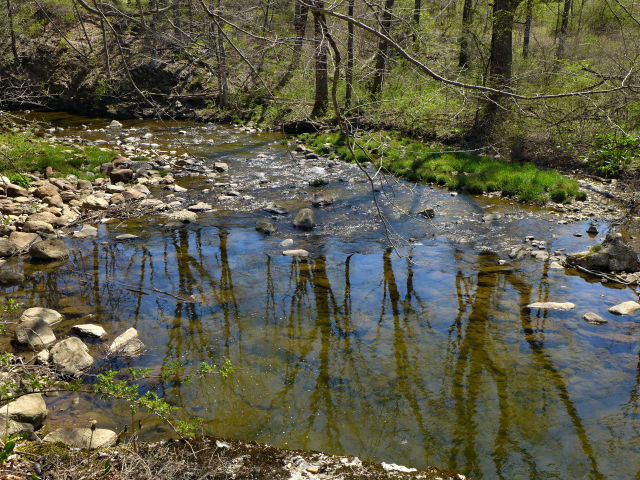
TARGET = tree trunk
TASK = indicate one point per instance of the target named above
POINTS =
(467, 18)
(222, 66)
(383, 47)
(14, 48)
(177, 21)
(564, 28)
(500, 63)
(349, 71)
(300, 15)
(322, 79)
(416, 12)
(527, 29)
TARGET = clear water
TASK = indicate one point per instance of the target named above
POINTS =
(422, 355)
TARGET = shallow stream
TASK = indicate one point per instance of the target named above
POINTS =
(422, 354)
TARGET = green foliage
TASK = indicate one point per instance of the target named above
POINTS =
(6, 452)
(613, 154)
(21, 180)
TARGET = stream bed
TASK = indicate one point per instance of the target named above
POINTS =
(420, 352)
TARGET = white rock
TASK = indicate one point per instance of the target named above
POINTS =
(184, 216)
(38, 313)
(89, 330)
(286, 243)
(564, 306)
(82, 437)
(625, 308)
(296, 253)
(392, 467)
(127, 343)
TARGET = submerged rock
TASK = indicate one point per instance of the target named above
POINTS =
(305, 219)
(614, 255)
(563, 306)
(266, 227)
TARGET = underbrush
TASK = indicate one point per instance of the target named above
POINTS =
(455, 170)
(24, 152)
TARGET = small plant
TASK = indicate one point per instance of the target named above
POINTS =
(21, 180)
(596, 248)
(163, 173)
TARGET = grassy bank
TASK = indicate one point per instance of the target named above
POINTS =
(24, 152)
(455, 170)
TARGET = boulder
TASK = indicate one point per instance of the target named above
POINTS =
(10, 427)
(7, 248)
(45, 190)
(84, 185)
(50, 250)
(304, 219)
(625, 308)
(16, 191)
(220, 167)
(121, 175)
(27, 409)
(8, 207)
(9, 277)
(563, 306)
(71, 356)
(91, 202)
(266, 227)
(36, 226)
(42, 217)
(614, 255)
(24, 240)
(83, 438)
(594, 318)
(127, 343)
(90, 330)
(51, 317)
(35, 333)
(87, 231)
(184, 216)
(133, 194)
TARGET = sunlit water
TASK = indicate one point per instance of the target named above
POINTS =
(424, 355)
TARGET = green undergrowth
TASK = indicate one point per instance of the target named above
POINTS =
(24, 152)
(455, 170)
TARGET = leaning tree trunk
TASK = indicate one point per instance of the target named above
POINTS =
(467, 18)
(349, 71)
(321, 100)
(383, 47)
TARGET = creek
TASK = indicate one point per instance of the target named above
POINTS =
(422, 354)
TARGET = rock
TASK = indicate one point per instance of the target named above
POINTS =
(266, 227)
(35, 226)
(428, 212)
(87, 231)
(126, 236)
(127, 343)
(178, 189)
(71, 356)
(42, 217)
(121, 175)
(625, 308)
(276, 209)
(184, 216)
(594, 318)
(51, 317)
(35, 333)
(84, 185)
(132, 194)
(111, 188)
(6, 230)
(89, 330)
(83, 438)
(54, 201)
(27, 409)
(286, 243)
(11, 427)
(45, 190)
(16, 191)
(296, 253)
(7, 248)
(320, 200)
(305, 219)
(614, 255)
(42, 357)
(115, 125)
(200, 207)
(592, 230)
(91, 202)
(153, 203)
(117, 199)
(491, 217)
(52, 249)
(9, 277)
(24, 240)
(7, 207)
(563, 306)
(220, 167)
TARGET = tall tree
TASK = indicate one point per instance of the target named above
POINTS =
(527, 28)
(300, 15)
(14, 48)
(382, 52)
(321, 100)
(349, 70)
(467, 19)
(564, 28)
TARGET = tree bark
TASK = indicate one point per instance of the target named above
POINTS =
(467, 18)
(177, 21)
(300, 16)
(383, 47)
(349, 71)
(564, 28)
(321, 100)
(527, 29)
(14, 48)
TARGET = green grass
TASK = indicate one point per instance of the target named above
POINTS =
(455, 170)
(26, 152)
